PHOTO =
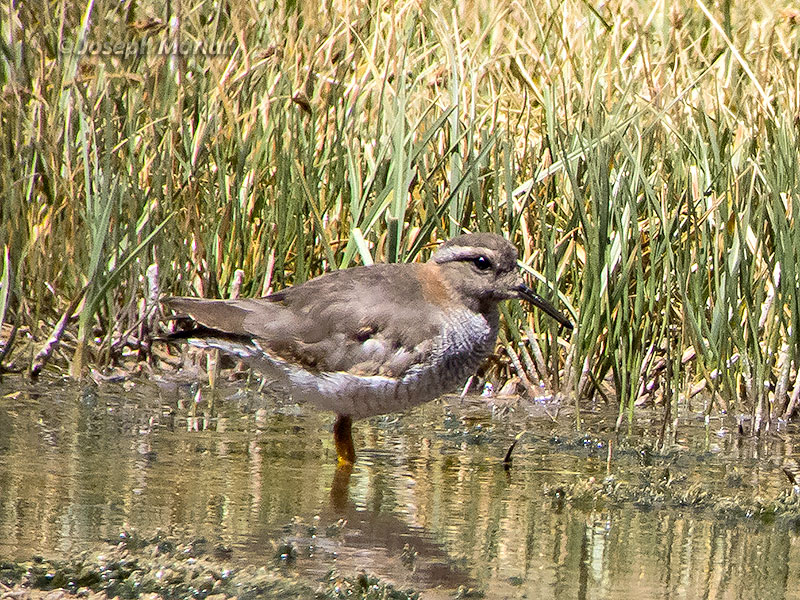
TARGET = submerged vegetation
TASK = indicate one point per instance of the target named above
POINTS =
(643, 158)
(164, 567)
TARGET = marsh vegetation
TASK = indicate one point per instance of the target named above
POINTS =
(642, 157)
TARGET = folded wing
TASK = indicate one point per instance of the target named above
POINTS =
(329, 324)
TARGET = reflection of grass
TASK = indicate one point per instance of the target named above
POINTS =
(645, 163)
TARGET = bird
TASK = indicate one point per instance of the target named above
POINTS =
(372, 339)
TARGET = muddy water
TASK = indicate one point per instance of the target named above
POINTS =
(428, 505)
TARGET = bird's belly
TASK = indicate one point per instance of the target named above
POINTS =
(360, 396)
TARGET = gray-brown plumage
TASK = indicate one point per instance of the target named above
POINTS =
(376, 339)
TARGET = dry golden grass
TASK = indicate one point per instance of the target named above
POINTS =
(642, 156)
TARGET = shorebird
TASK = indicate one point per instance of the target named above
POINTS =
(374, 339)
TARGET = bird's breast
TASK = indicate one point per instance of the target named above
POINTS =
(466, 340)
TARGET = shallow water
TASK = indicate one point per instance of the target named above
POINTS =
(428, 504)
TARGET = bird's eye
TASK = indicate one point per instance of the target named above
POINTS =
(482, 263)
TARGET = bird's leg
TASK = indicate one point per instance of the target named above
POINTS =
(343, 439)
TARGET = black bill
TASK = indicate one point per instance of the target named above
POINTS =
(543, 305)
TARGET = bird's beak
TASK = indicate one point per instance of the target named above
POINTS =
(528, 294)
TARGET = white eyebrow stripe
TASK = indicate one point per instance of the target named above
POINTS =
(454, 253)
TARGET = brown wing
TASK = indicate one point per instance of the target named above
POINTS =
(351, 320)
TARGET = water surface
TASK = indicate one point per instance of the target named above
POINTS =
(428, 504)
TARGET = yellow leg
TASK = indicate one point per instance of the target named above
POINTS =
(343, 439)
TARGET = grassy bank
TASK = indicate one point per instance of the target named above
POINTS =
(644, 160)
